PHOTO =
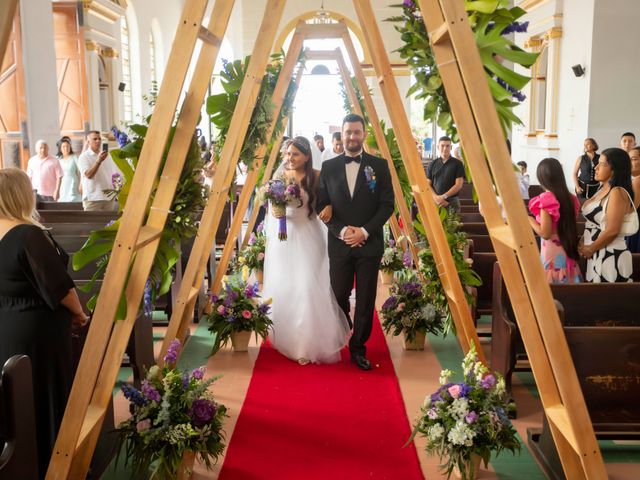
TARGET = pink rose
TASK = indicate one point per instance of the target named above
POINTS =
(221, 310)
(260, 256)
(401, 307)
(143, 426)
(246, 314)
(454, 391)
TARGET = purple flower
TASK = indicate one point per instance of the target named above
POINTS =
(432, 414)
(185, 380)
(150, 391)
(201, 412)
(407, 261)
(252, 239)
(116, 180)
(471, 417)
(133, 395)
(517, 94)
(390, 303)
(392, 242)
(231, 319)
(198, 373)
(260, 227)
(147, 299)
(409, 4)
(264, 308)
(213, 298)
(121, 137)
(488, 382)
(172, 353)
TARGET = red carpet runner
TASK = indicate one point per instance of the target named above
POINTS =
(322, 421)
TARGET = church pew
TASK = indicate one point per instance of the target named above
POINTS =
(584, 305)
(59, 206)
(471, 217)
(76, 216)
(18, 457)
(483, 266)
(475, 228)
(469, 208)
(481, 243)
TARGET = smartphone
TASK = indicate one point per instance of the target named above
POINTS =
(105, 147)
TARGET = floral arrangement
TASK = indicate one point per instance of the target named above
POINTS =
(172, 414)
(188, 203)
(238, 308)
(457, 240)
(281, 192)
(252, 256)
(408, 310)
(393, 258)
(467, 418)
(370, 177)
(491, 22)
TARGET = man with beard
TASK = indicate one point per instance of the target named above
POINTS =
(358, 188)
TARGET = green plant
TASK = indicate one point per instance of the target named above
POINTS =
(490, 21)
(237, 309)
(408, 310)
(433, 289)
(467, 418)
(220, 107)
(188, 202)
(174, 413)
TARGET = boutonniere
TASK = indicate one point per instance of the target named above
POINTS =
(370, 175)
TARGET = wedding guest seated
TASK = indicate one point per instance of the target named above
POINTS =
(584, 170)
(554, 220)
(38, 305)
(611, 217)
(523, 180)
(45, 173)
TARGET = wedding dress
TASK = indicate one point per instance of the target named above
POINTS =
(307, 321)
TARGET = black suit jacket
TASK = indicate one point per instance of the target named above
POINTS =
(369, 208)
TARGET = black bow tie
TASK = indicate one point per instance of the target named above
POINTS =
(348, 160)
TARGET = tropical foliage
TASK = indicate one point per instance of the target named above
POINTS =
(466, 418)
(433, 289)
(188, 202)
(173, 413)
(490, 21)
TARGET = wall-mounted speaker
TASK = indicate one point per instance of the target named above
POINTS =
(122, 86)
(578, 71)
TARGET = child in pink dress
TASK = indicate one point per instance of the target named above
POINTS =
(554, 220)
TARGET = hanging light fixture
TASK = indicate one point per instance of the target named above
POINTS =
(322, 16)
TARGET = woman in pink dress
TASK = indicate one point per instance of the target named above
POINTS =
(554, 219)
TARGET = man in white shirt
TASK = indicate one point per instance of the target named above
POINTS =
(45, 173)
(336, 147)
(97, 169)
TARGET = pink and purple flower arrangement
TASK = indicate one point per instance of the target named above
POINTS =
(173, 413)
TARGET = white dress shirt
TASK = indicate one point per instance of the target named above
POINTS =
(352, 169)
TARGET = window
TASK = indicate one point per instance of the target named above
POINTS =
(540, 85)
(127, 113)
(152, 63)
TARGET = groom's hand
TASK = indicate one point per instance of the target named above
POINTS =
(354, 237)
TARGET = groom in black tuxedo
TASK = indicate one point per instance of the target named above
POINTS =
(358, 188)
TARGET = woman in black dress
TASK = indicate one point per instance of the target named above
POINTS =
(38, 304)
(584, 170)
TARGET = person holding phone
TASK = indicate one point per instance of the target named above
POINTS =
(97, 169)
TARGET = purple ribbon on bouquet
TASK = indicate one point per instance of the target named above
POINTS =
(282, 228)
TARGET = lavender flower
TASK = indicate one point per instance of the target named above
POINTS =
(121, 137)
(517, 94)
(147, 299)
(202, 411)
(488, 382)
(407, 261)
(409, 4)
(260, 227)
(133, 395)
(149, 391)
(117, 181)
(198, 373)
(390, 303)
(264, 308)
(471, 417)
(185, 380)
(252, 239)
(172, 353)
(392, 242)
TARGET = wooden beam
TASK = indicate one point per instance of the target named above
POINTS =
(7, 15)
(466, 331)
(322, 31)
(66, 460)
(212, 213)
(278, 97)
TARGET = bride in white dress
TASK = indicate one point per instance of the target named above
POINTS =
(308, 324)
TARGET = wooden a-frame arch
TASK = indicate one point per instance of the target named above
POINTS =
(136, 242)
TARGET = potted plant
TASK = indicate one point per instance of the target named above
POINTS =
(464, 422)
(174, 420)
(236, 313)
(252, 256)
(393, 260)
(409, 311)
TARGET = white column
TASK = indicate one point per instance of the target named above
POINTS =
(39, 58)
(91, 62)
(553, 79)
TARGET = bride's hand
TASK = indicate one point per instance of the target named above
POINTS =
(326, 213)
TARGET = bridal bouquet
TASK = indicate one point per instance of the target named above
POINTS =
(282, 192)
(174, 417)
(466, 420)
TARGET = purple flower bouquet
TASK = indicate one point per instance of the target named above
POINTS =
(173, 413)
(282, 192)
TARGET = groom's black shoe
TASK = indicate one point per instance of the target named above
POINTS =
(361, 362)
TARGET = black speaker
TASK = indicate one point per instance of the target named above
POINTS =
(578, 71)
(122, 86)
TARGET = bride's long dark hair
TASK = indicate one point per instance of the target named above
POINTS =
(308, 182)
